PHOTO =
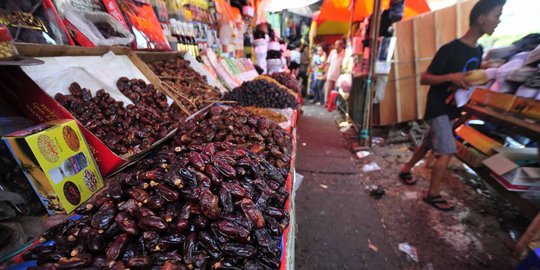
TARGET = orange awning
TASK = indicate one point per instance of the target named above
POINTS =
(340, 10)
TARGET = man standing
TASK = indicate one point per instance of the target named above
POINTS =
(335, 59)
(304, 66)
(318, 71)
(445, 74)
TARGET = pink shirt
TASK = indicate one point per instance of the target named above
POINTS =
(334, 68)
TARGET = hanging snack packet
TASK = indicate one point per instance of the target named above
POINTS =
(143, 23)
(33, 21)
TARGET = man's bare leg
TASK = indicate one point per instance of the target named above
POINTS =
(419, 154)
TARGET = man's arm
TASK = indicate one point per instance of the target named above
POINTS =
(427, 78)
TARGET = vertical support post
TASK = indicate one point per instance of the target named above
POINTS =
(365, 136)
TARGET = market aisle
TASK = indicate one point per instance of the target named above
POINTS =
(336, 221)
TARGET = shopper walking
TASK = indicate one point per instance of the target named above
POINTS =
(335, 59)
(445, 74)
(304, 66)
(319, 60)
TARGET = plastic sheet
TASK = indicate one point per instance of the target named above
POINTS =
(17, 234)
(85, 21)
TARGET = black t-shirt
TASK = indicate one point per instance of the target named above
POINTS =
(452, 57)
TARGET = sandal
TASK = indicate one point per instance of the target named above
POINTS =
(407, 178)
(439, 203)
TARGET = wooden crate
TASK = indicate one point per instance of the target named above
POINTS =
(477, 139)
(500, 100)
(479, 96)
(526, 106)
(472, 157)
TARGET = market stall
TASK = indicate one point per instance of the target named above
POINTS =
(143, 157)
(497, 135)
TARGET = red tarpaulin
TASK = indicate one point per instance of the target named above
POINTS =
(340, 10)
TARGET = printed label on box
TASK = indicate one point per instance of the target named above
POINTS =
(58, 164)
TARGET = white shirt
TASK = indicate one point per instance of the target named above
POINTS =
(296, 56)
(334, 68)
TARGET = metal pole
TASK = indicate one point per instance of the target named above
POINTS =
(353, 2)
(365, 137)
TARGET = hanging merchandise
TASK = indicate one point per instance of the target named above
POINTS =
(160, 8)
(142, 21)
(95, 28)
(33, 22)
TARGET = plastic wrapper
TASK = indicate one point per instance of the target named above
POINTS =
(33, 22)
(8, 204)
(527, 92)
(7, 49)
(86, 23)
(501, 85)
(144, 24)
(17, 233)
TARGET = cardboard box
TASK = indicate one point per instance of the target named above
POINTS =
(526, 106)
(469, 155)
(477, 139)
(19, 89)
(57, 162)
(506, 169)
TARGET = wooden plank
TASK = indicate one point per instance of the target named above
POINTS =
(407, 77)
(388, 106)
(445, 20)
(395, 68)
(424, 49)
(463, 11)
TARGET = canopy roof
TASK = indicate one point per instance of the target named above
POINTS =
(340, 10)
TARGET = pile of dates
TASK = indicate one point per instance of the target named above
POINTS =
(287, 80)
(212, 206)
(239, 126)
(107, 30)
(178, 73)
(262, 93)
(124, 129)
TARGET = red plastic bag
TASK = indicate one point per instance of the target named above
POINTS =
(143, 23)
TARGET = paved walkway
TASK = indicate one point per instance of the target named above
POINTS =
(336, 221)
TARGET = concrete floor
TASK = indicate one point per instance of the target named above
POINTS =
(341, 227)
(338, 227)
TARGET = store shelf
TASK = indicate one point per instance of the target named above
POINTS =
(511, 121)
